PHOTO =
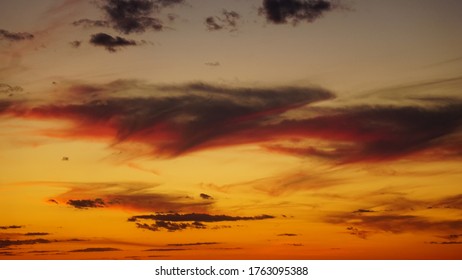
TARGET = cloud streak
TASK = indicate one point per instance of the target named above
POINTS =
(179, 222)
(15, 36)
(111, 44)
(176, 120)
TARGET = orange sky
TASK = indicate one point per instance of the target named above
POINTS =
(182, 129)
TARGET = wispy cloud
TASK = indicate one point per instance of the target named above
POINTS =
(96, 249)
(15, 36)
(228, 20)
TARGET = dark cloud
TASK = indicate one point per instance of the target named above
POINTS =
(363, 234)
(76, 44)
(364, 211)
(36, 233)
(165, 250)
(7, 242)
(451, 237)
(112, 44)
(228, 21)
(86, 203)
(15, 36)
(288, 234)
(91, 23)
(294, 11)
(178, 222)
(92, 250)
(176, 120)
(447, 243)
(53, 201)
(171, 226)
(193, 244)
(136, 16)
(11, 227)
(194, 217)
(205, 196)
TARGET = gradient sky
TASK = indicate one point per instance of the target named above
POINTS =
(237, 129)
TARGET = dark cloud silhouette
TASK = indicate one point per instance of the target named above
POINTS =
(15, 36)
(228, 20)
(136, 16)
(288, 234)
(36, 233)
(451, 237)
(112, 44)
(166, 250)
(205, 196)
(447, 242)
(194, 217)
(294, 11)
(11, 227)
(178, 222)
(87, 23)
(93, 250)
(363, 234)
(452, 202)
(364, 211)
(53, 201)
(76, 44)
(193, 244)
(171, 226)
(86, 203)
(8, 243)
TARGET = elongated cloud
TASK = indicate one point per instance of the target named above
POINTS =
(176, 120)
(294, 11)
(127, 196)
(111, 44)
(15, 36)
(93, 250)
(178, 222)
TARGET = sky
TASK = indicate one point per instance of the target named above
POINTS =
(213, 129)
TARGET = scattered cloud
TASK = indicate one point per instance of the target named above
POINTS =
(86, 203)
(294, 11)
(193, 244)
(178, 222)
(364, 211)
(111, 44)
(15, 36)
(227, 21)
(165, 249)
(87, 23)
(393, 223)
(205, 196)
(11, 227)
(92, 250)
(195, 217)
(36, 233)
(7, 242)
(76, 44)
(8, 89)
(126, 196)
(363, 234)
(288, 234)
(136, 16)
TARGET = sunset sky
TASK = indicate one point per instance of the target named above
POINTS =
(230, 129)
